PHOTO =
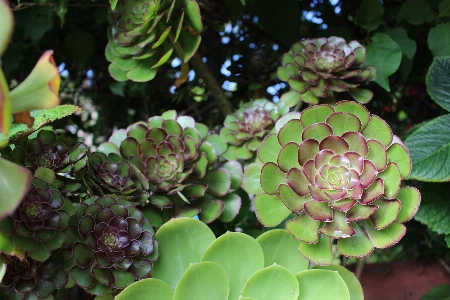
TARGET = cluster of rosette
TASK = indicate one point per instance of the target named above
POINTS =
(174, 162)
(339, 170)
(245, 129)
(315, 68)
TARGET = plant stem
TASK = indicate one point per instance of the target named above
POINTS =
(360, 267)
(212, 85)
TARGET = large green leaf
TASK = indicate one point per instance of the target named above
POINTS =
(274, 282)
(386, 55)
(14, 183)
(6, 29)
(429, 147)
(439, 292)
(434, 210)
(148, 289)
(444, 8)
(322, 284)
(439, 40)
(415, 12)
(203, 281)
(181, 243)
(438, 81)
(239, 255)
(369, 14)
(400, 36)
(281, 247)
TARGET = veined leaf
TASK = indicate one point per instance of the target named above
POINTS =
(429, 148)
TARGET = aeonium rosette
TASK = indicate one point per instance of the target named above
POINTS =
(339, 169)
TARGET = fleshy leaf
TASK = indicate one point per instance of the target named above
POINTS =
(270, 210)
(315, 284)
(353, 284)
(319, 253)
(304, 228)
(261, 284)
(149, 288)
(356, 246)
(281, 248)
(237, 267)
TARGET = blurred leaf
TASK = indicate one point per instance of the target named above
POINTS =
(14, 183)
(7, 27)
(439, 40)
(148, 289)
(429, 148)
(353, 284)
(415, 12)
(290, 98)
(117, 88)
(280, 19)
(444, 8)
(447, 240)
(439, 292)
(400, 36)
(386, 55)
(113, 3)
(369, 14)
(61, 10)
(80, 46)
(438, 82)
(34, 22)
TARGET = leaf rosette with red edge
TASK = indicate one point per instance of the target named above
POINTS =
(340, 170)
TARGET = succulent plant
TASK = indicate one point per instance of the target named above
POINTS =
(245, 129)
(144, 33)
(58, 153)
(37, 225)
(111, 174)
(26, 278)
(172, 157)
(340, 170)
(112, 244)
(269, 267)
(315, 68)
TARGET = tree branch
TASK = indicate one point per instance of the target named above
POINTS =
(212, 85)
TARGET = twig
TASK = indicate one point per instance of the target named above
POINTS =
(215, 89)
(444, 264)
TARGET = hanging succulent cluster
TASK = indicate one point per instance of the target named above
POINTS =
(245, 129)
(144, 33)
(175, 160)
(315, 68)
(340, 170)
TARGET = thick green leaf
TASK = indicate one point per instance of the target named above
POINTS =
(270, 210)
(218, 181)
(281, 248)
(322, 284)
(415, 12)
(353, 284)
(290, 98)
(434, 210)
(400, 36)
(438, 81)
(7, 27)
(274, 282)
(439, 40)
(439, 292)
(203, 281)
(429, 148)
(113, 3)
(148, 289)
(192, 236)
(251, 182)
(239, 255)
(14, 183)
(386, 55)
(369, 14)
